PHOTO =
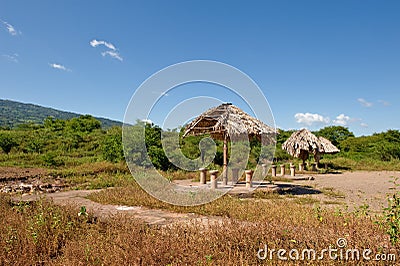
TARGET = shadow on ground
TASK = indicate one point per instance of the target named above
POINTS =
(289, 189)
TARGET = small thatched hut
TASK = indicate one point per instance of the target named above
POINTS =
(228, 121)
(301, 143)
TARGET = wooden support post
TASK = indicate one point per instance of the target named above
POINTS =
(273, 170)
(282, 170)
(292, 170)
(302, 167)
(225, 166)
(213, 178)
(203, 175)
(249, 176)
(235, 175)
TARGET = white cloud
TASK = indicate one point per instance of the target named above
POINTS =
(309, 119)
(364, 103)
(342, 120)
(95, 43)
(12, 58)
(113, 54)
(60, 67)
(10, 28)
(364, 125)
(385, 103)
(110, 46)
(147, 121)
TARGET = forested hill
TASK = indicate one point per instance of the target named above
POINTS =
(15, 113)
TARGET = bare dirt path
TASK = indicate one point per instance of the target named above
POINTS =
(78, 199)
(355, 188)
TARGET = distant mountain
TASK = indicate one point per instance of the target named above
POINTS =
(15, 113)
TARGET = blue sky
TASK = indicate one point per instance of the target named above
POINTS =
(318, 63)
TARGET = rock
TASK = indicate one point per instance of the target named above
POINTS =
(26, 188)
(7, 189)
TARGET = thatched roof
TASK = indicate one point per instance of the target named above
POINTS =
(300, 142)
(227, 120)
(327, 146)
(303, 142)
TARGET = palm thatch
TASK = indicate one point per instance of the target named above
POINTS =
(327, 146)
(301, 143)
(227, 120)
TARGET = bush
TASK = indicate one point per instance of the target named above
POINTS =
(52, 159)
(7, 141)
(112, 145)
(392, 216)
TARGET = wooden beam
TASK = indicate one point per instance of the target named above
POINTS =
(225, 162)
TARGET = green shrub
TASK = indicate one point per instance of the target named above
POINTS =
(7, 141)
(392, 216)
(112, 145)
(52, 159)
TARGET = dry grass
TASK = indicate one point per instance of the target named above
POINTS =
(44, 234)
(367, 164)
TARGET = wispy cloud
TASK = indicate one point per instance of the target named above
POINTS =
(310, 119)
(342, 120)
(364, 125)
(95, 43)
(10, 28)
(385, 103)
(112, 52)
(364, 103)
(58, 66)
(12, 58)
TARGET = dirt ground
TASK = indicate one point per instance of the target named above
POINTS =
(354, 188)
(16, 173)
(28, 180)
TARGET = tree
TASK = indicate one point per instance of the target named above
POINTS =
(7, 142)
(54, 124)
(84, 123)
(112, 145)
(336, 134)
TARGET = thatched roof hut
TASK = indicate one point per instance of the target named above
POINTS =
(227, 120)
(303, 142)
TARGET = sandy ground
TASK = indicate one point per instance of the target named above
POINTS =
(358, 188)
